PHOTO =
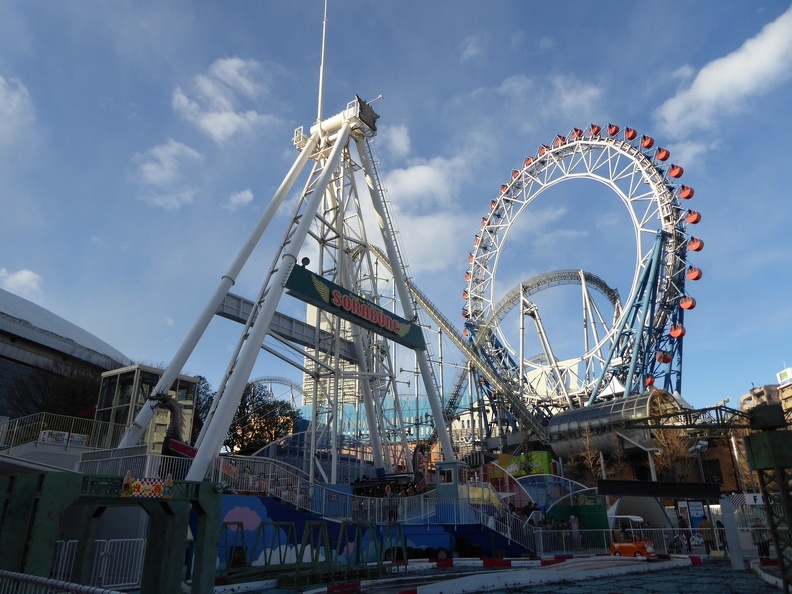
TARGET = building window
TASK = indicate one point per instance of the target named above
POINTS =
(712, 471)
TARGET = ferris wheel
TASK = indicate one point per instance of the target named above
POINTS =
(643, 347)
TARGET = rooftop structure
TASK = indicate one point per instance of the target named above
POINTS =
(33, 339)
(767, 394)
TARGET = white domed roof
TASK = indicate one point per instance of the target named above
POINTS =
(32, 322)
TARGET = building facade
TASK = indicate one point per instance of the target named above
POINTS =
(767, 394)
(37, 346)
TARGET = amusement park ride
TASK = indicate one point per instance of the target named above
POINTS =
(629, 367)
(630, 364)
(632, 350)
(635, 348)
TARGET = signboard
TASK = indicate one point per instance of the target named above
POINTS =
(754, 499)
(529, 463)
(695, 513)
(55, 437)
(684, 514)
(335, 299)
(147, 488)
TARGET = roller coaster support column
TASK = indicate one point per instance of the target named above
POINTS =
(138, 427)
(410, 313)
(643, 335)
(625, 336)
(216, 431)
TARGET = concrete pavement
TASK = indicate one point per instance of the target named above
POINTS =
(581, 575)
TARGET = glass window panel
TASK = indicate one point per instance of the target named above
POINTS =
(125, 383)
(121, 415)
(107, 391)
(104, 415)
(148, 381)
(190, 391)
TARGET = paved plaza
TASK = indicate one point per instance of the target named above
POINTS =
(592, 575)
(710, 578)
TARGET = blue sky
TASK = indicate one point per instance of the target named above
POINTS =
(139, 142)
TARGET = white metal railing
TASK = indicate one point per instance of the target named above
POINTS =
(59, 430)
(674, 541)
(19, 583)
(664, 541)
(261, 476)
(63, 559)
(553, 542)
(506, 524)
(254, 475)
(139, 466)
(118, 563)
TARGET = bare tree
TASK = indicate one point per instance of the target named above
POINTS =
(588, 459)
(673, 460)
(60, 389)
(617, 461)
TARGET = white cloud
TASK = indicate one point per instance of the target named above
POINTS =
(546, 43)
(238, 200)
(24, 283)
(169, 200)
(395, 140)
(472, 47)
(534, 222)
(426, 184)
(16, 109)
(608, 220)
(555, 96)
(214, 107)
(161, 165)
(432, 242)
(558, 237)
(689, 151)
(237, 75)
(724, 86)
(160, 173)
(573, 96)
(515, 86)
(684, 73)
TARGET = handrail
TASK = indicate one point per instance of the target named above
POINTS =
(10, 578)
(264, 476)
(59, 430)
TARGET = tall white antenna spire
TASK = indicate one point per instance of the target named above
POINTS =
(321, 66)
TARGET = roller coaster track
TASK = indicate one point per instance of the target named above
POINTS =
(518, 407)
(485, 339)
(548, 279)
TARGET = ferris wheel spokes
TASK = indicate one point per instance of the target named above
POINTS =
(626, 356)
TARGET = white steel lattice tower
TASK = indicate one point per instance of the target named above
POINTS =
(328, 225)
